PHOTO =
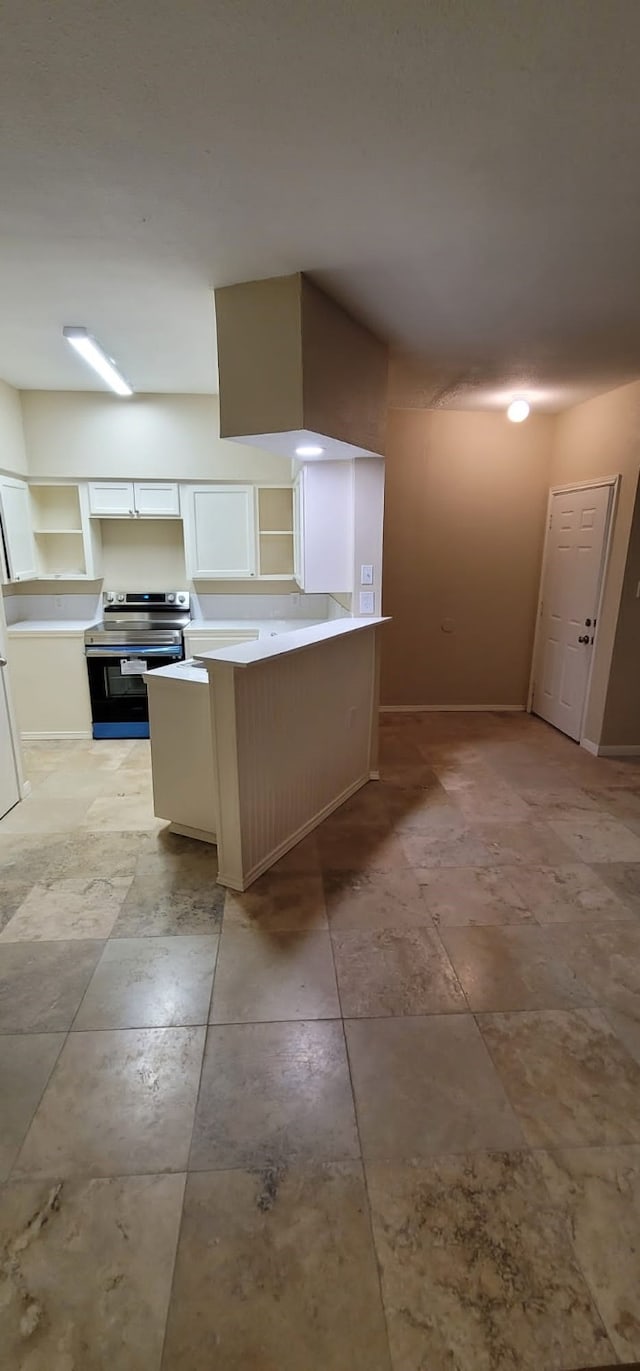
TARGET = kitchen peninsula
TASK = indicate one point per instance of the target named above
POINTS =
(256, 746)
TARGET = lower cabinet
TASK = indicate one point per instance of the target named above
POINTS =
(50, 686)
(207, 640)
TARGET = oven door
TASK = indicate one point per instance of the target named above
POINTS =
(119, 705)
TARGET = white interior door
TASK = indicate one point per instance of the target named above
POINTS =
(571, 582)
(9, 789)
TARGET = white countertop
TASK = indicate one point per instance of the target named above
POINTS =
(45, 627)
(248, 654)
(264, 627)
(251, 654)
(180, 671)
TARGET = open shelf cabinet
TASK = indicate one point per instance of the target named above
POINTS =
(275, 532)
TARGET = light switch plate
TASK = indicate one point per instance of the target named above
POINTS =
(366, 575)
(367, 602)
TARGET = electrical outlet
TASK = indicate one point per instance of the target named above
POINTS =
(366, 575)
(367, 602)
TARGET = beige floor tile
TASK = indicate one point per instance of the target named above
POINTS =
(395, 971)
(477, 1269)
(627, 1028)
(12, 894)
(117, 1103)
(75, 783)
(374, 899)
(623, 878)
(569, 1079)
(42, 984)
(529, 844)
(606, 958)
(471, 895)
(342, 848)
(426, 1085)
(272, 1094)
(554, 802)
(172, 894)
(566, 894)
(119, 813)
(450, 845)
(26, 1062)
(150, 983)
(406, 771)
(67, 909)
(100, 855)
(600, 839)
(303, 857)
(25, 857)
(274, 976)
(45, 814)
(492, 804)
(279, 903)
(88, 1268)
(512, 968)
(598, 1189)
(276, 1269)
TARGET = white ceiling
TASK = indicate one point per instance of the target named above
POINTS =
(465, 174)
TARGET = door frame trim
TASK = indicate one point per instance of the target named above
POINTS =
(614, 483)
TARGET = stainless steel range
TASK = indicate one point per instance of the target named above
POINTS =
(141, 630)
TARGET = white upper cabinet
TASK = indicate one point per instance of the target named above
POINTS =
(19, 546)
(131, 499)
(111, 499)
(323, 527)
(219, 532)
(156, 499)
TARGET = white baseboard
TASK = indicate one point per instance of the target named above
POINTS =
(588, 746)
(619, 750)
(292, 841)
(83, 735)
(452, 709)
(25, 789)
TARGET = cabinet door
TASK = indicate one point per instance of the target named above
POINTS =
(111, 499)
(156, 499)
(220, 532)
(50, 685)
(15, 509)
(324, 523)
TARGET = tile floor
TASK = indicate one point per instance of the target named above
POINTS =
(381, 1113)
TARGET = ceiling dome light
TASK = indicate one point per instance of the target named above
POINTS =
(309, 450)
(518, 411)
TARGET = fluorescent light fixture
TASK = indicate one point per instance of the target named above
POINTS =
(309, 450)
(518, 411)
(91, 352)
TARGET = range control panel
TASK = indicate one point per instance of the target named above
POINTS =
(147, 599)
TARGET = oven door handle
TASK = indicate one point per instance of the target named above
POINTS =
(134, 652)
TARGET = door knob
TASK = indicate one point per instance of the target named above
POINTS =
(3, 661)
(584, 638)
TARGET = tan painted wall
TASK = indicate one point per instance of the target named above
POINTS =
(13, 456)
(465, 501)
(602, 438)
(90, 434)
